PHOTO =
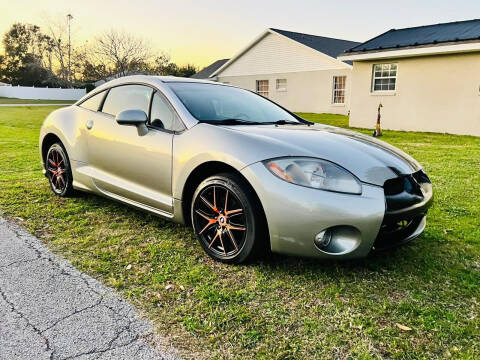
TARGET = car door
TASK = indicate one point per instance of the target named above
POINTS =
(132, 168)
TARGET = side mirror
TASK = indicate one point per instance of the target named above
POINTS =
(136, 118)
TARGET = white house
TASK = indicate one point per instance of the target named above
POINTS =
(298, 71)
(427, 78)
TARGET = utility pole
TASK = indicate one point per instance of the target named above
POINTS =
(69, 76)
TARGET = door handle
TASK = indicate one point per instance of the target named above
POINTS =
(89, 124)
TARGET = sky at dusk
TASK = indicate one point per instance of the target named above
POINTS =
(202, 31)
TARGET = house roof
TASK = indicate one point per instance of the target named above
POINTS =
(206, 72)
(421, 36)
(330, 46)
(325, 45)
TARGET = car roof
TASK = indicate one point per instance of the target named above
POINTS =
(153, 80)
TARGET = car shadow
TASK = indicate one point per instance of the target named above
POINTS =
(407, 258)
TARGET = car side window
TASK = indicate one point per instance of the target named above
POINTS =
(127, 97)
(94, 102)
(163, 116)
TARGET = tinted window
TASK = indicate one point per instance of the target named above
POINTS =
(94, 102)
(163, 116)
(207, 102)
(127, 97)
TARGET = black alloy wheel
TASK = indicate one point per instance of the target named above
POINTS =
(58, 169)
(226, 219)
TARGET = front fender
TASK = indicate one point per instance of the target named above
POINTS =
(196, 147)
(68, 125)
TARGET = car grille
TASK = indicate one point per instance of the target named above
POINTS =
(401, 218)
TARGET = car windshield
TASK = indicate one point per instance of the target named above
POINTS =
(229, 105)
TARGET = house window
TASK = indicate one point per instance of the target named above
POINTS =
(262, 87)
(339, 89)
(281, 84)
(384, 77)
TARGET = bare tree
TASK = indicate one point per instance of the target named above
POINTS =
(58, 32)
(120, 53)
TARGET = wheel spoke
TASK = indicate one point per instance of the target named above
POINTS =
(226, 202)
(232, 238)
(235, 227)
(231, 212)
(214, 200)
(60, 176)
(214, 238)
(52, 162)
(209, 204)
(221, 242)
(203, 215)
(210, 223)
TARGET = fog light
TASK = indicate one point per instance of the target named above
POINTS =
(323, 239)
(338, 240)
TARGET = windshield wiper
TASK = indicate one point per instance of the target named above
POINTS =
(283, 122)
(231, 122)
(248, 122)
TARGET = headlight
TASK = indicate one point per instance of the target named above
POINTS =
(314, 173)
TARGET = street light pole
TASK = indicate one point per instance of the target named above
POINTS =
(69, 76)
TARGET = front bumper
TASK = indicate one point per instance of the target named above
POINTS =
(407, 199)
(296, 214)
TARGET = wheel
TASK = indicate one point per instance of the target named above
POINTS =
(59, 173)
(228, 219)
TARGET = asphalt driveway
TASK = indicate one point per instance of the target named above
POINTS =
(49, 310)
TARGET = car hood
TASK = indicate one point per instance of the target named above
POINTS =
(371, 160)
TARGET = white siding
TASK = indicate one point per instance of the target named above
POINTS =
(276, 54)
(434, 93)
(307, 91)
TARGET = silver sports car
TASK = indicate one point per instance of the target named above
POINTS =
(247, 174)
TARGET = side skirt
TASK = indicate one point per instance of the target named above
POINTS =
(135, 203)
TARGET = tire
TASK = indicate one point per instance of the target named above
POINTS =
(233, 230)
(59, 172)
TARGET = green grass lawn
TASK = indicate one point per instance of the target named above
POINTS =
(280, 307)
(4, 100)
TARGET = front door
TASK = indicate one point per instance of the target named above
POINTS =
(124, 165)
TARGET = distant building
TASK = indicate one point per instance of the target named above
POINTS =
(206, 73)
(298, 71)
(427, 79)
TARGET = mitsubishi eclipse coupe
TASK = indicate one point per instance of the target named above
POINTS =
(244, 172)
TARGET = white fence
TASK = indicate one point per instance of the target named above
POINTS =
(25, 92)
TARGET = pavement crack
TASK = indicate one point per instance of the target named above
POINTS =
(95, 351)
(35, 328)
(19, 262)
(76, 312)
(58, 333)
